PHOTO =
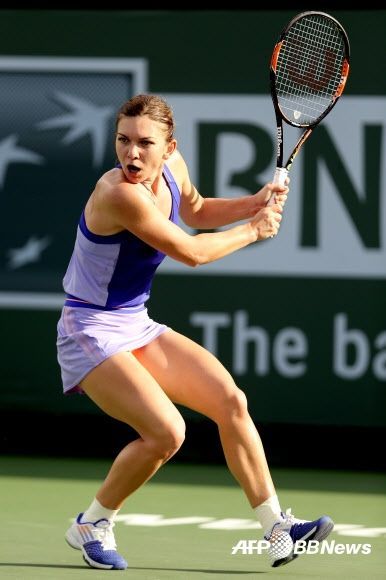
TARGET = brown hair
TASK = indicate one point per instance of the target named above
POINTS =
(151, 105)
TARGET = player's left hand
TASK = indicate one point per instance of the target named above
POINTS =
(280, 192)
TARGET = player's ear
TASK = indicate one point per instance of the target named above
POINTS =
(171, 147)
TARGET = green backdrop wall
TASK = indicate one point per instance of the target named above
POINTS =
(300, 321)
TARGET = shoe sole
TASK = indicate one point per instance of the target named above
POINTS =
(320, 534)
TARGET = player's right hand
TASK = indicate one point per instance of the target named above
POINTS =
(266, 222)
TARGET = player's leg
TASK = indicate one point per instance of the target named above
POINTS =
(192, 376)
(125, 390)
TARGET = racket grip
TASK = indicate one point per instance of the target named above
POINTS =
(280, 175)
(279, 178)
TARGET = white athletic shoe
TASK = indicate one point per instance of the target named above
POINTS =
(97, 542)
(289, 530)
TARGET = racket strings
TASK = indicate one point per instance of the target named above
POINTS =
(309, 68)
(322, 40)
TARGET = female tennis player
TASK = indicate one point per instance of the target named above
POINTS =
(136, 369)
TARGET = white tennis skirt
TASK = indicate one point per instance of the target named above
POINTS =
(87, 337)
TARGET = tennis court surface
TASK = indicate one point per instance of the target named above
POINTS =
(185, 522)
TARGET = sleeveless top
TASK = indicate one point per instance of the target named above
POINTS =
(115, 271)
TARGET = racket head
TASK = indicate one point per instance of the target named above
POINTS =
(309, 68)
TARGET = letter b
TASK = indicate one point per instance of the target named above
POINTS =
(300, 547)
(313, 547)
(343, 340)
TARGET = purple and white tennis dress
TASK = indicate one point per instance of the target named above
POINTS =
(107, 284)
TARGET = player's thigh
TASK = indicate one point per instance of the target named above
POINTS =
(125, 390)
(190, 375)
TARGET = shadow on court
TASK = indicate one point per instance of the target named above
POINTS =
(199, 570)
(131, 568)
(37, 565)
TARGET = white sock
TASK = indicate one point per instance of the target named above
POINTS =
(96, 511)
(268, 513)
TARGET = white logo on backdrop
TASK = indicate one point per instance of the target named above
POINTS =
(340, 252)
(56, 135)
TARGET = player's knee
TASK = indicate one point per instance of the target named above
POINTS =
(165, 444)
(233, 406)
(238, 402)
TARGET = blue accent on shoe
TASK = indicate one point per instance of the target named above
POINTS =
(300, 530)
(315, 530)
(96, 557)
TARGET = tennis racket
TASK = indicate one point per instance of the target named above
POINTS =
(308, 72)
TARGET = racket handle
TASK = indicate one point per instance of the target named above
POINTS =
(279, 178)
(280, 175)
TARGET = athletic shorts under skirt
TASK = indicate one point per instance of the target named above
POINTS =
(87, 337)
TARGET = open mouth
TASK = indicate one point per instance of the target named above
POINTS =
(133, 169)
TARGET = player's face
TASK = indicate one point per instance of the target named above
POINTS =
(141, 147)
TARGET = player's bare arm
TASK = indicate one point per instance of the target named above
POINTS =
(131, 210)
(212, 212)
